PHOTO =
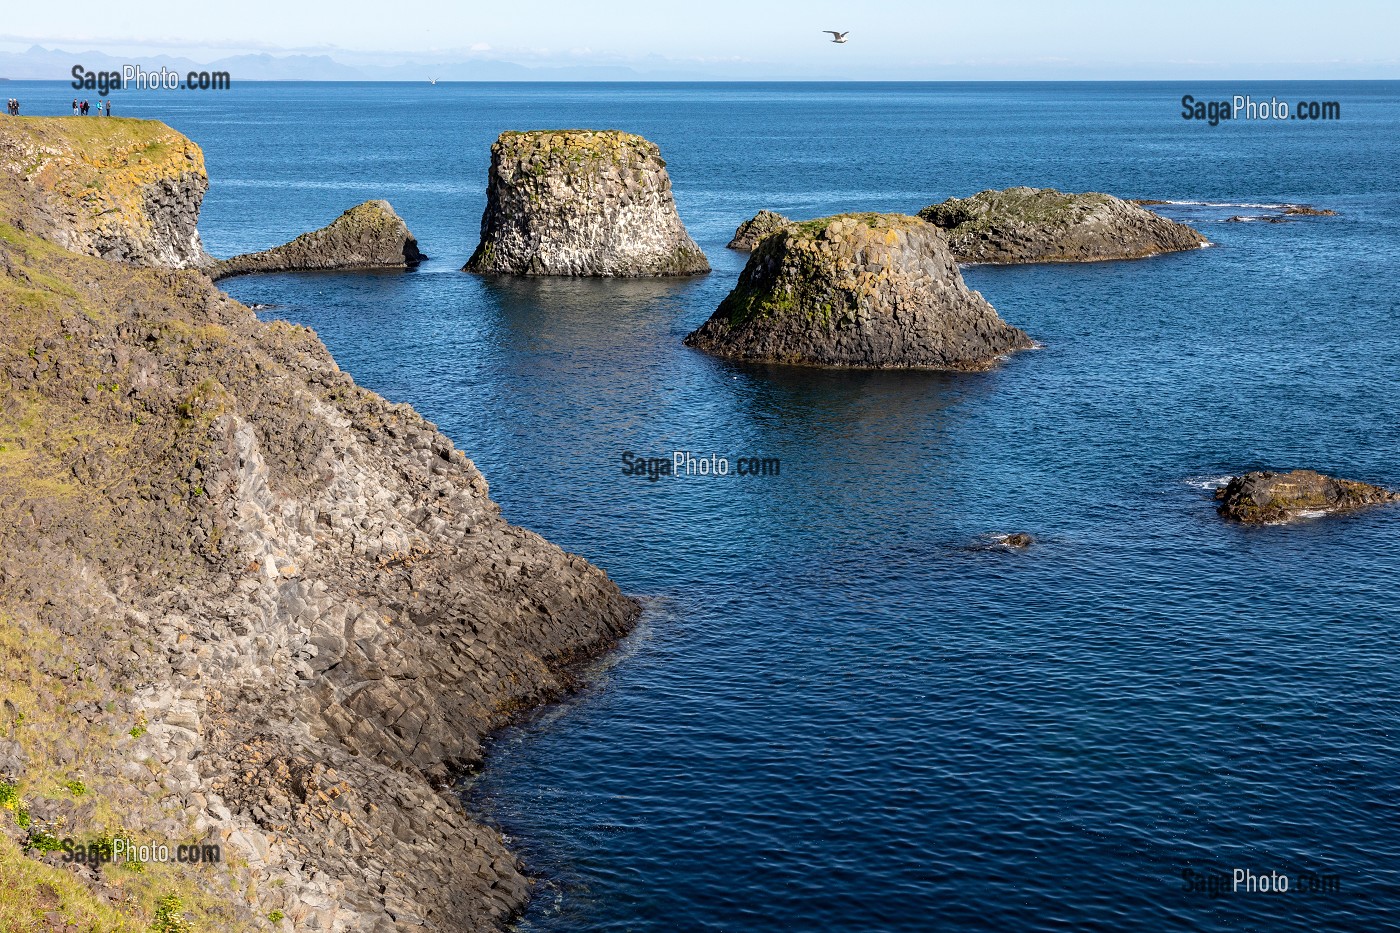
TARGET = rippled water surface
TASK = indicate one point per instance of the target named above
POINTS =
(844, 710)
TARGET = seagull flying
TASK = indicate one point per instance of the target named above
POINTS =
(837, 36)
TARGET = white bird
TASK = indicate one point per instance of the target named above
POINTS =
(837, 36)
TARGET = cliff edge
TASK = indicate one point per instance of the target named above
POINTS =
(247, 604)
(117, 188)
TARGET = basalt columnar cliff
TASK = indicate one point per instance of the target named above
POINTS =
(367, 236)
(125, 190)
(1044, 225)
(244, 602)
(864, 290)
(581, 202)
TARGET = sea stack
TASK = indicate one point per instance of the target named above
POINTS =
(581, 202)
(1263, 497)
(879, 291)
(368, 236)
(757, 227)
(1021, 225)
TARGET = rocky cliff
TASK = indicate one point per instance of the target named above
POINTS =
(748, 233)
(368, 236)
(122, 189)
(581, 202)
(1264, 497)
(1044, 225)
(246, 603)
(867, 290)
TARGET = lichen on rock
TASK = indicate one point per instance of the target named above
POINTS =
(581, 202)
(120, 189)
(863, 290)
(367, 236)
(748, 233)
(1023, 225)
(1264, 497)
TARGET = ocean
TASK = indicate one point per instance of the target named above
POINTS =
(846, 708)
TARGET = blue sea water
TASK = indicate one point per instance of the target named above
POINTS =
(844, 709)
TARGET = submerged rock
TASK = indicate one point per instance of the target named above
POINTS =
(866, 290)
(1261, 497)
(119, 189)
(1283, 214)
(757, 227)
(1044, 225)
(1018, 540)
(367, 236)
(581, 202)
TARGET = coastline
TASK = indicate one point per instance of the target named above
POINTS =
(250, 604)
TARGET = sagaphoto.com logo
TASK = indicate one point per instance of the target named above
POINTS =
(1245, 107)
(136, 78)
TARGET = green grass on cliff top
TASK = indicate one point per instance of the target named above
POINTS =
(578, 144)
(90, 135)
(871, 219)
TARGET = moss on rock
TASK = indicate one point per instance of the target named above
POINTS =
(367, 236)
(864, 290)
(1020, 225)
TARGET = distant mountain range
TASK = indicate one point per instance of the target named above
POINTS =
(38, 63)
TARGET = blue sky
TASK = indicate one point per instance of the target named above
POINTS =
(899, 39)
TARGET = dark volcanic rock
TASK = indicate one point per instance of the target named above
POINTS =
(866, 290)
(1044, 225)
(581, 202)
(1307, 210)
(1261, 497)
(256, 604)
(368, 236)
(757, 227)
(1018, 540)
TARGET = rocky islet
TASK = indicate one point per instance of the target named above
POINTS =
(1027, 225)
(581, 203)
(860, 290)
(748, 233)
(367, 236)
(1262, 497)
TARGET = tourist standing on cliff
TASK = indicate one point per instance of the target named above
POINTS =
(75, 106)
(109, 106)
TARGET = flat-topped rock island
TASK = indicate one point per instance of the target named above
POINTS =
(582, 202)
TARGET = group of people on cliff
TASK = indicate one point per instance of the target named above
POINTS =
(80, 108)
(12, 107)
